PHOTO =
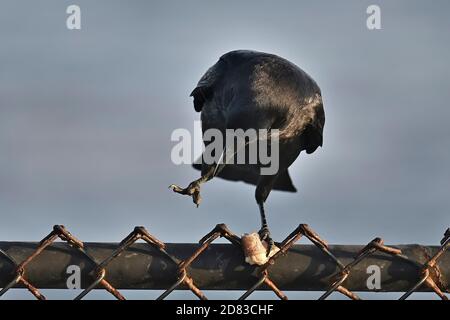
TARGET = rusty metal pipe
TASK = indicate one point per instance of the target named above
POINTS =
(220, 267)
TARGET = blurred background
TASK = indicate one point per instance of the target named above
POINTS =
(86, 118)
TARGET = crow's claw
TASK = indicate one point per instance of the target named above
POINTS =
(264, 235)
(192, 190)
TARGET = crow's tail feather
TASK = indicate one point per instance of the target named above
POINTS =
(237, 173)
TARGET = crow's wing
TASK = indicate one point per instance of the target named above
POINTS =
(207, 84)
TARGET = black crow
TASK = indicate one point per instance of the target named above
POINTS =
(256, 90)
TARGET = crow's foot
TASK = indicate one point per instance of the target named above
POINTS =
(192, 190)
(264, 235)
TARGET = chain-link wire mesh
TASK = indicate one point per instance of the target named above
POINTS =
(429, 270)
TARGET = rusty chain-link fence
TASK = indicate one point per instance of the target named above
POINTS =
(428, 274)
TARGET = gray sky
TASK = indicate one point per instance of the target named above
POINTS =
(86, 118)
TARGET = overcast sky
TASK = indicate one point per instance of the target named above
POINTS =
(86, 118)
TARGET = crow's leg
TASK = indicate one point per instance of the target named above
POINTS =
(265, 185)
(209, 171)
(264, 232)
(193, 189)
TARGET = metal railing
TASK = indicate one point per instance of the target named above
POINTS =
(154, 264)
